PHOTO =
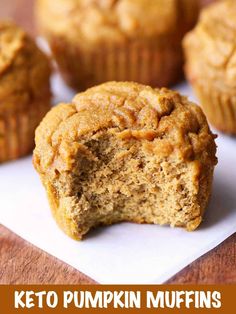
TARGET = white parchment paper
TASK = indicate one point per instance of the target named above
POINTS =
(123, 253)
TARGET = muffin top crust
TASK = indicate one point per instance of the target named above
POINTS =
(117, 20)
(211, 47)
(24, 70)
(163, 121)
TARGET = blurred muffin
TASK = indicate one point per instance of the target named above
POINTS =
(24, 91)
(94, 41)
(125, 152)
(211, 63)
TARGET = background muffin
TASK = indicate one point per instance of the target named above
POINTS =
(125, 152)
(24, 91)
(136, 40)
(211, 63)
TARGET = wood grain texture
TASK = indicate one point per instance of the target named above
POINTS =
(22, 263)
(216, 267)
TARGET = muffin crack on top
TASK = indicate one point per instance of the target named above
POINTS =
(16, 55)
(125, 152)
(120, 19)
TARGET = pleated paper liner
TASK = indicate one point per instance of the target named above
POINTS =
(17, 130)
(156, 64)
(219, 107)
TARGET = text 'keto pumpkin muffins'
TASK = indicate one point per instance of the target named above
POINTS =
(125, 152)
(24, 91)
(211, 63)
(135, 40)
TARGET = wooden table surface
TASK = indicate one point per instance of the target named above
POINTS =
(22, 263)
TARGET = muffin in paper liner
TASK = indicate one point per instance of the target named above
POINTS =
(219, 107)
(210, 63)
(24, 91)
(124, 40)
(17, 130)
(147, 63)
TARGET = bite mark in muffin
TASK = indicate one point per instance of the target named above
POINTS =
(125, 152)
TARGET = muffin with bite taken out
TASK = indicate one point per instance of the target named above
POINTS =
(123, 151)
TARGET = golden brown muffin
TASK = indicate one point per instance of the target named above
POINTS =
(95, 41)
(24, 91)
(211, 63)
(125, 152)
